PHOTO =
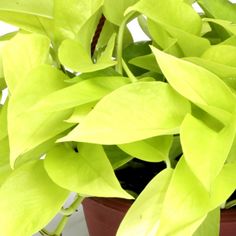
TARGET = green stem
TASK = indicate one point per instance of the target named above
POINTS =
(128, 72)
(230, 204)
(168, 163)
(66, 214)
(61, 226)
(120, 37)
(44, 232)
(70, 210)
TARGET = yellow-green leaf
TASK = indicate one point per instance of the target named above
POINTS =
(26, 128)
(87, 172)
(131, 113)
(26, 193)
(188, 79)
(25, 52)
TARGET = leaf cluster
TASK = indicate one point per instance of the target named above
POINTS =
(74, 119)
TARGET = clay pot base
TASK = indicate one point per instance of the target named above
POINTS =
(104, 215)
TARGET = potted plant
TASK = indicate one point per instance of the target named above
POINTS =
(90, 111)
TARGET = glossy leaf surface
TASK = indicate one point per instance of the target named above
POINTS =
(88, 172)
(221, 9)
(186, 203)
(25, 195)
(143, 216)
(205, 150)
(153, 149)
(73, 55)
(35, 49)
(91, 90)
(211, 225)
(187, 78)
(117, 16)
(131, 113)
(180, 14)
(36, 128)
(71, 15)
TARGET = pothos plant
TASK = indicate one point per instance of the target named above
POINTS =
(75, 117)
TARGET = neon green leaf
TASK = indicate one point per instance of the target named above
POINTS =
(131, 113)
(211, 225)
(153, 149)
(188, 78)
(117, 16)
(91, 90)
(224, 185)
(35, 49)
(205, 150)
(40, 8)
(143, 216)
(73, 55)
(219, 9)
(222, 54)
(88, 172)
(35, 128)
(27, 192)
(71, 15)
(180, 14)
(186, 203)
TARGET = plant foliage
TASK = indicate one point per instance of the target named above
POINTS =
(72, 117)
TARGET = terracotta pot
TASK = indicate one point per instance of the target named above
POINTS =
(104, 215)
(228, 222)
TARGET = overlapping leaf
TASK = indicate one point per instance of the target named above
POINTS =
(28, 129)
(180, 14)
(73, 55)
(91, 90)
(71, 15)
(2, 80)
(224, 186)
(219, 9)
(205, 150)
(132, 113)
(153, 149)
(188, 79)
(26, 193)
(25, 52)
(88, 172)
(144, 215)
(117, 16)
(33, 16)
(211, 225)
(5, 169)
(228, 25)
(221, 70)
(116, 156)
(222, 54)
(185, 205)
(40, 8)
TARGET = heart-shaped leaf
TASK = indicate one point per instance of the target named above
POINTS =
(131, 113)
(153, 149)
(88, 172)
(35, 49)
(36, 128)
(91, 90)
(205, 150)
(185, 205)
(73, 55)
(180, 14)
(144, 214)
(26, 193)
(188, 78)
